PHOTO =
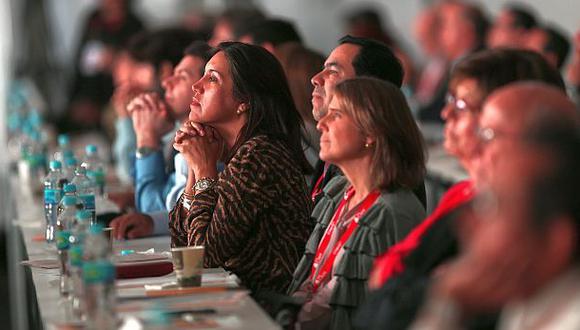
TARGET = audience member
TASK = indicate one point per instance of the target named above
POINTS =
(153, 56)
(427, 31)
(253, 217)
(233, 23)
(549, 42)
(107, 28)
(463, 30)
(511, 27)
(533, 202)
(300, 64)
(157, 188)
(405, 268)
(116, 115)
(271, 34)
(370, 134)
(367, 23)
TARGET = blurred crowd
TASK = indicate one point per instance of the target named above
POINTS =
(304, 174)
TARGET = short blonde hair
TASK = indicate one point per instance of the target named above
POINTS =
(380, 110)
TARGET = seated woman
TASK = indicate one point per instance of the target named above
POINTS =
(400, 276)
(370, 134)
(254, 217)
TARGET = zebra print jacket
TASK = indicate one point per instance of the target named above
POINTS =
(255, 221)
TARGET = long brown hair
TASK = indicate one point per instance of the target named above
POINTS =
(259, 80)
(380, 110)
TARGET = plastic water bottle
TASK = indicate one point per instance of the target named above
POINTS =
(64, 224)
(99, 281)
(77, 239)
(53, 184)
(85, 191)
(95, 168)
(70, 189)
(64, 149)
(69, 168)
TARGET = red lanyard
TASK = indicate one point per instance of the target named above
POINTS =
(317, 187)
(325, 268)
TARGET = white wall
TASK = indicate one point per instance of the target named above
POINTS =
(318, 20)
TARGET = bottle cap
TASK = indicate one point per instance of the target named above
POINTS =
(91, 149)
(63, 140)
(69, 200)
(70, 188)
(84, 215)
(55, 164)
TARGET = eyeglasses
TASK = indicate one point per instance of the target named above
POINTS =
(459, 105)
(488, 134)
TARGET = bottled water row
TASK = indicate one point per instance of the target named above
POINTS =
(84, 182)
(69, 186)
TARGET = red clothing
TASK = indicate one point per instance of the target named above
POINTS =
(391, 262)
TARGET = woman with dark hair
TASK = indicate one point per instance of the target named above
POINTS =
(254, 217)
(370, 134)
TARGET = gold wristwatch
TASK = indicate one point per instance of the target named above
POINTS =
(203, 184)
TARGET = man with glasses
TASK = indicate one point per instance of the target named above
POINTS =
(505, 115)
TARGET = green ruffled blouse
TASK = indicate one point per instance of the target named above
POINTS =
(388, 221)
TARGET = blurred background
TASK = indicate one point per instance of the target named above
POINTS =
(47, 32)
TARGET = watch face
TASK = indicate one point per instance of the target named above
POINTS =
(202, 184)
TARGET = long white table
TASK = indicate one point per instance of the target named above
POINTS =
(232, 309)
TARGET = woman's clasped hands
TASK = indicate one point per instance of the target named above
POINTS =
(200, 145)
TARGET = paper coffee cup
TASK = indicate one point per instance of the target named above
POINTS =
(188, 265)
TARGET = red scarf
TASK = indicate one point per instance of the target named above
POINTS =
(391, 262)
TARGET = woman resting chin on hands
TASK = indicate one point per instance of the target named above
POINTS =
(253, 218)
(201, 146)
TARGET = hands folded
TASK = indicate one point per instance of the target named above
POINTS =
(200, 145)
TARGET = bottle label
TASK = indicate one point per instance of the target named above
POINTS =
(100, 271)
(52, 196)
(97, 176)
(76, 255)
(62, 239)
(88, 201)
